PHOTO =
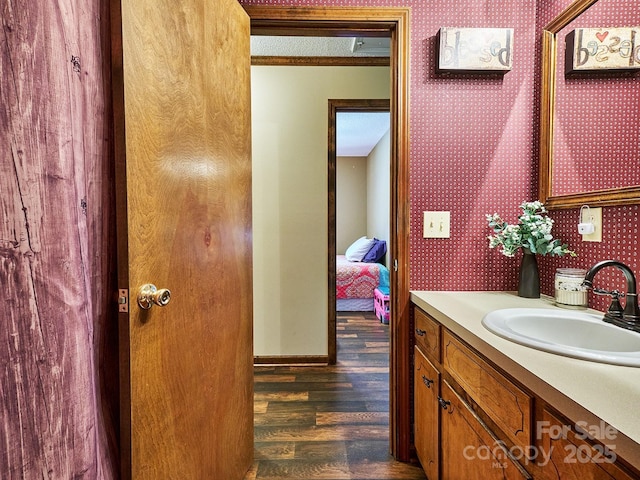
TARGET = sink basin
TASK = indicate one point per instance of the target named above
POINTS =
(564, 332)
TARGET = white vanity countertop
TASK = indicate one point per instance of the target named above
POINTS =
(582, 390)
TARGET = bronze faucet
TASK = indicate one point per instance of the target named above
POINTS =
(628, 318)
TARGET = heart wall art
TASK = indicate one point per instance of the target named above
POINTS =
(603, 49)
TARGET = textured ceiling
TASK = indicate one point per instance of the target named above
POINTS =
(357, 133)
(319, 46)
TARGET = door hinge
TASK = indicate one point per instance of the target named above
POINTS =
(123, 300)
(395, 265)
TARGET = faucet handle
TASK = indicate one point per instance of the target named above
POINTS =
(611, 293)
(615, 309)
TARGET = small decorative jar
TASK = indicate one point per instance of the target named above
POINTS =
(569, 290)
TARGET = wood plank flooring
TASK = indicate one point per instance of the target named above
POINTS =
(319, 422)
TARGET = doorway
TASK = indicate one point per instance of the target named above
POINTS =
(336, 107)
(374, 22)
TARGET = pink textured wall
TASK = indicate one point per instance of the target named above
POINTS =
(474, 151)
(471, 146)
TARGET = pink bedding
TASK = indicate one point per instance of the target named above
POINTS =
(356, 279)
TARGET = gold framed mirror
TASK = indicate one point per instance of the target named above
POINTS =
(617, 192)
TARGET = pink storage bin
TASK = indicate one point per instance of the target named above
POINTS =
(381, 306)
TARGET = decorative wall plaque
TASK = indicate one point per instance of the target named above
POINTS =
(475, 50)
(603, 49)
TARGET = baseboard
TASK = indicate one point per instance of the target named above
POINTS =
(292, 359)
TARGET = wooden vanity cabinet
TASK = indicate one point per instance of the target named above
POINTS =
(473, 422)
(470, 450)
(504, 402)
(451, 440)
(426, 385)
(566, 455)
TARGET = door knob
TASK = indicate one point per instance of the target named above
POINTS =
(150, 295)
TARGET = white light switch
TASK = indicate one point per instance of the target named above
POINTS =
(437, 225)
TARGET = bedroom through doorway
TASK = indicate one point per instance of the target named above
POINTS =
(294, 206)
(359, 208)
(392, 23)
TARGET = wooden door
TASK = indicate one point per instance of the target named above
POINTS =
(183, 160)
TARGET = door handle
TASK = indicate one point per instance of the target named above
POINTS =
(150, 295)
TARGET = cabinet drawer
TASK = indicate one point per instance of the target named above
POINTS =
(508, 406)
(427, 335)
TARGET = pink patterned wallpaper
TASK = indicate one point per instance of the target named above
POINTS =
(474, 151)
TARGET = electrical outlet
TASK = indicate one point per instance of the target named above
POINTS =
(437, 225)
(592, 215)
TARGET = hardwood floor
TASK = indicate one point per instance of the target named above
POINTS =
(319, 422)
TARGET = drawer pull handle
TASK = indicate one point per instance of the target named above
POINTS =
(443, 403)
(426, 381)
(420, 332)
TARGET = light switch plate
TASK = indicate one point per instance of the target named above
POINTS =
(437, 225)
(592, 215)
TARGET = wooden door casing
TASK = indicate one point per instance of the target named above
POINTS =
(183, 159)
(363, 21)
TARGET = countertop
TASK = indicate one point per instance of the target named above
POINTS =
(582, 390)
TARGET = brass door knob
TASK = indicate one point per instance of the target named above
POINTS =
(150, 295)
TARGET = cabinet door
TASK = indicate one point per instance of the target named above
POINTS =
(503, 401)
(566, 455)
(469, 449)
(426, 384)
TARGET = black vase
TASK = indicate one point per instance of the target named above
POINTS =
(529, 280)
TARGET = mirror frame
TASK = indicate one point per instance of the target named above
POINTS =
(613, 196)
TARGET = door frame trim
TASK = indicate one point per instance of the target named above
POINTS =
(374, 22)
(335, 106)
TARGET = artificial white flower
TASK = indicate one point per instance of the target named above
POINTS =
(532, 232)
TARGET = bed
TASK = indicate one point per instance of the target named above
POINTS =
(355, 283)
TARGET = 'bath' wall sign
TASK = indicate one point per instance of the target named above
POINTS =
(602, 49)
(475, 50)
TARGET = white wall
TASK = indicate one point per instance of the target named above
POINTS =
(363, 196)
(289, 122)
(351, 201)
(379, 192)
